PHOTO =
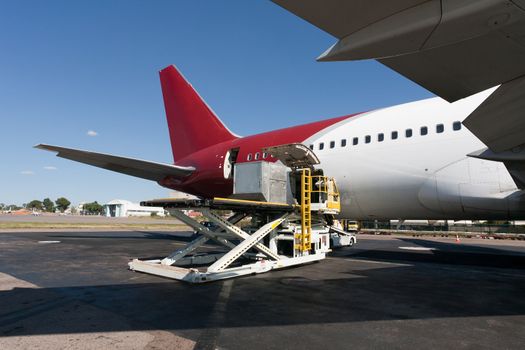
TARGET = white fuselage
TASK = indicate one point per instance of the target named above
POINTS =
(417, 177)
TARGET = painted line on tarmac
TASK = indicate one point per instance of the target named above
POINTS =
(370, 261)
(208, 340)
(48, 242)
(426, 249)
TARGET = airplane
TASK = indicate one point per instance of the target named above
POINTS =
(412, 161)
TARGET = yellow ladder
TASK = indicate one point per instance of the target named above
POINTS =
(306, 211)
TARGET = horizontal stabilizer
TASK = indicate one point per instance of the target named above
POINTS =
(130, 166)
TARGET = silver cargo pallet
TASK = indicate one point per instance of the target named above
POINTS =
(259, 248)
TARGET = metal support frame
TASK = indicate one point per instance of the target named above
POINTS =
(237, 232)
(271, 246)
(246, 244)
(227, 264)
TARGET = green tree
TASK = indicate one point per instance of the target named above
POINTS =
(48, 205)
(93, 208)
(35, 204)
(62, 204)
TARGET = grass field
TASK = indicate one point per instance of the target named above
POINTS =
(8, 222)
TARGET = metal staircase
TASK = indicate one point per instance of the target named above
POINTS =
(305, 237)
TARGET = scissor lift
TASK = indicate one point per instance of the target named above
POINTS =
(280, 234)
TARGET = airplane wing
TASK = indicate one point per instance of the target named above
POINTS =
(454, 48)
(500, 124)
(130, 166)
(500, 120)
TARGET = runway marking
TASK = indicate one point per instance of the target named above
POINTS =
(370, 261)
(210, 336)
(48, 242)
(418, 248)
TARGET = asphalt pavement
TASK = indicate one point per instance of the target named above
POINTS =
(73, 290)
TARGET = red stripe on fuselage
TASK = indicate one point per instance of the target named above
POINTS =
(208, 179)
(255, 143)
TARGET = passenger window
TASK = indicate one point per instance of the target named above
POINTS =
(265, 155)
(343, 143)
(256, 155)
(423, 130)
(380, 137)
(321, 145)
(249, 157)
(368, 138)
(456, 126)
(332, 144)
(440, 128)
(355, 141)
(394, 135)
(311, 147)
(408, 132)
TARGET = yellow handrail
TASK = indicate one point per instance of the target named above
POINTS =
(306, 211)
(326, 185)
(328, 194)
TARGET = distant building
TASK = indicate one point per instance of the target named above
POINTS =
(22, 211)
(124, 208)
(80, 208)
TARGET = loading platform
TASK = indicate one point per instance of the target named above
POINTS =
(255, 236)
(219, 203)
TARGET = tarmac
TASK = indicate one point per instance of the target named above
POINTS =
(73, 290)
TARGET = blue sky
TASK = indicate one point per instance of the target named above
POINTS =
(70, 67)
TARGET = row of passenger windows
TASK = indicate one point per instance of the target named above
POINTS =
(257, 156)
(394, 135)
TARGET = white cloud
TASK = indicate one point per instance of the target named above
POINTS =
(49, 167)
(92, 133)
(27, 172)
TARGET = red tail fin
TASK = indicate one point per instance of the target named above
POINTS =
(192, 124)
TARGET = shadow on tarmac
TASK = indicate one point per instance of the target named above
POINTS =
(292, 297)
(447, 253)
(334, 292)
